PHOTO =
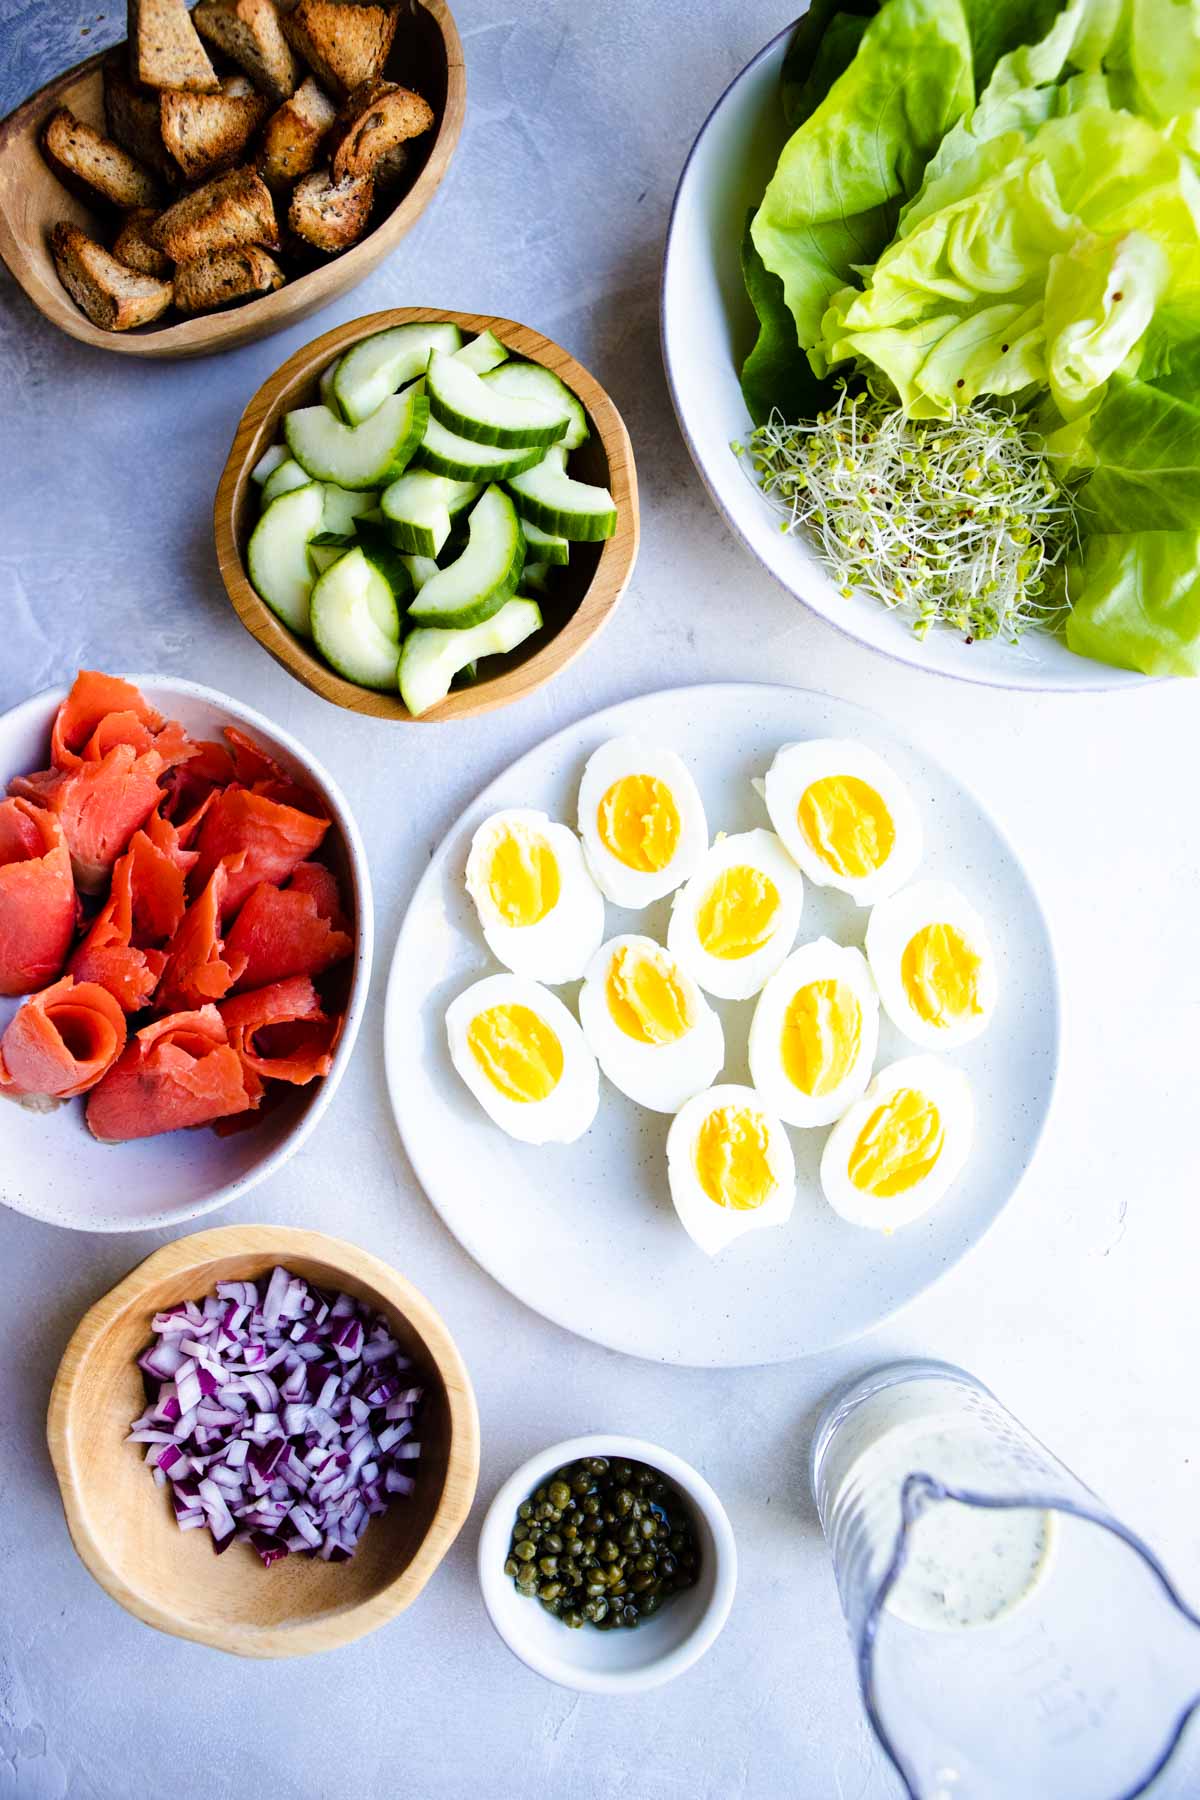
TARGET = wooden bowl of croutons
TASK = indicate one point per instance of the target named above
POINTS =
(228, 170)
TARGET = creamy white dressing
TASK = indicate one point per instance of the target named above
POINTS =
(967, 1566)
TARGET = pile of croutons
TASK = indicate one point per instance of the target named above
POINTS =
(210, 173)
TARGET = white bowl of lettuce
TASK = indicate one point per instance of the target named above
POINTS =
(966, 224)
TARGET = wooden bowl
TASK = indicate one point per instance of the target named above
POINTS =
(426, 55)
(122, 1524)
(583, 600)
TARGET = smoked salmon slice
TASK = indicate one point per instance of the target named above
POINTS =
(123, 951)
(99, 806)
(176, 1072)
(61, 1042)
(315, 879)
(38, 907)
(101, 711)
(198, 967)
(275, 838)
(207, 769)
(281, 1033)
(284, 931)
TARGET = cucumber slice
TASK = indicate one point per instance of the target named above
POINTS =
(323, 556)
(358, 456)
(268, 462)
(375, 542)
(543, 546)
(536, 577)
(377, 367)
(477, 583)
(325, 387)
(482, 353)
(421, 569)
(445, 453)
(277, 555)
(284, 477)
(344, 507)
(420, 506)
(571, 509)
(465, 403)
(355, 622)
(530, 381)
(431, 659)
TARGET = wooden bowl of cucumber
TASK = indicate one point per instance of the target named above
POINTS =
(427, 515)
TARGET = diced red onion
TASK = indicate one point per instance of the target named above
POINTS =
(295, 1461)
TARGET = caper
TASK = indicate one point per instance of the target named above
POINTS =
(573, 1619)
(551, 1590)
(650, 1603)
(645, 1564)
(525, 1510)
(591, 1506)
(559, 1493)
(649, 1528)
(525, 1550)
(512, 1568)
(639, 1583)
(608, 1551)
(599, 1465)
(581, 1484)
(623, 1501)
(548, 1565)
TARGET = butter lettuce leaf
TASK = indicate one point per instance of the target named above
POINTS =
(1136, 601)
(776, 373)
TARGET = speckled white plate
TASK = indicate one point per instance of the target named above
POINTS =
(585, 1233)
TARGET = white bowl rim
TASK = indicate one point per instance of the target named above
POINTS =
(344, 819)
(1107, 677)
(493, 1543)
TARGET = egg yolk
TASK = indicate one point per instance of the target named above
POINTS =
(737, 915)
(522, 877)
(898, 1146)
(731, 1158)
(518, 1052)
(822, 1031)
(940, 971)
(647, 998)
(848, 825)
(638, 822)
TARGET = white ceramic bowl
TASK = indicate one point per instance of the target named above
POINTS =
(708, 326)
(51, 1167)
(611, 1662)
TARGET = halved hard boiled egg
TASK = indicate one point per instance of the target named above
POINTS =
(898, 1149)
(525, 1059)
(933, 964)
(845, 816)
(641, 819)
(654, 1034)
(730, 1166)
(539, 909)
(737, 918)
(814, 1033)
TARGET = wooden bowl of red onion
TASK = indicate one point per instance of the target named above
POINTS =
(265, 1440)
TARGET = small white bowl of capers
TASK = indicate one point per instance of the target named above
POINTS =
(607, 1564)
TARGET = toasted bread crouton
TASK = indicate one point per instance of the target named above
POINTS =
(113, 297)
(206, 133)
(292, 138)
(331, 215)
(249, 32)
(343, 43)
(81, 154)
(164, 50)
(134, 246)
(373, 121)
(230, 210)
(211, 281)
(131, 113)
(389, 172)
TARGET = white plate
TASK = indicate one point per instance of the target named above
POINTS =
(708, 325)
(51, 1167)
(585, 1233)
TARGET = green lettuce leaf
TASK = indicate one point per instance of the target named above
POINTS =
(1136, 601)
(832, 202)
(1144, 448)
(824, 44)
(776, 373)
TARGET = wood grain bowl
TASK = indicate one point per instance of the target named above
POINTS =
(581, 603)
(122, 1524)
(426, 55)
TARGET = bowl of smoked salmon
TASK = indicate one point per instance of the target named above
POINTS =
(185, 949)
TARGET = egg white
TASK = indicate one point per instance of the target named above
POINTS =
(713, 1228)
(822, 960)
(950, 1092)
(659, 1077)
(569, 1108)
(737, 978)
(622, 885)
(892, 925)
(796, 767)
(559, 945)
